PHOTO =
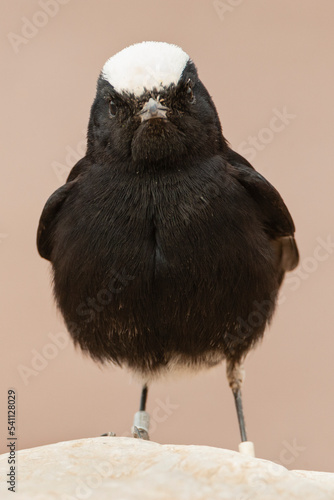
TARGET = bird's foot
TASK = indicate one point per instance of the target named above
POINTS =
(139, 433)
(111, 434)
(141, 424)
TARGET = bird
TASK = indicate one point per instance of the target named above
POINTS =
(167, 247)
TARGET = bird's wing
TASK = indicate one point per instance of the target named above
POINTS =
(237, 160)
(79, 168)
(276, 217)
(48, 217)
(52, 207)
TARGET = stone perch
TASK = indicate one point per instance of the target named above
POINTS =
(120, 468)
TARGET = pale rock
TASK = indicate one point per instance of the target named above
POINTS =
(131, 469)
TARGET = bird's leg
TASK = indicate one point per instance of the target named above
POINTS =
(235, 375)
(143, 398)
(141, 420)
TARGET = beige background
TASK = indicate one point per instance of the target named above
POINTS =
(256, 58)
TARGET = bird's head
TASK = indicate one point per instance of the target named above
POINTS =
(151, 108)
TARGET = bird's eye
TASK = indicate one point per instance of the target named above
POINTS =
(112, 109)
(190, 92)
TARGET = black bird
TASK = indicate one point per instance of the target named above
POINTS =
(167, 247)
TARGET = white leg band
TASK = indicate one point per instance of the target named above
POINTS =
(247, 448)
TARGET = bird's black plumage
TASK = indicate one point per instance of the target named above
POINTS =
(167, 247)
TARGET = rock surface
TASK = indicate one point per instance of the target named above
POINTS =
(131, 469)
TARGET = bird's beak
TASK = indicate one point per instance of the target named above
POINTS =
(152, 109)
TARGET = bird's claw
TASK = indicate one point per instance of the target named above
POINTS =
(139, 433)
